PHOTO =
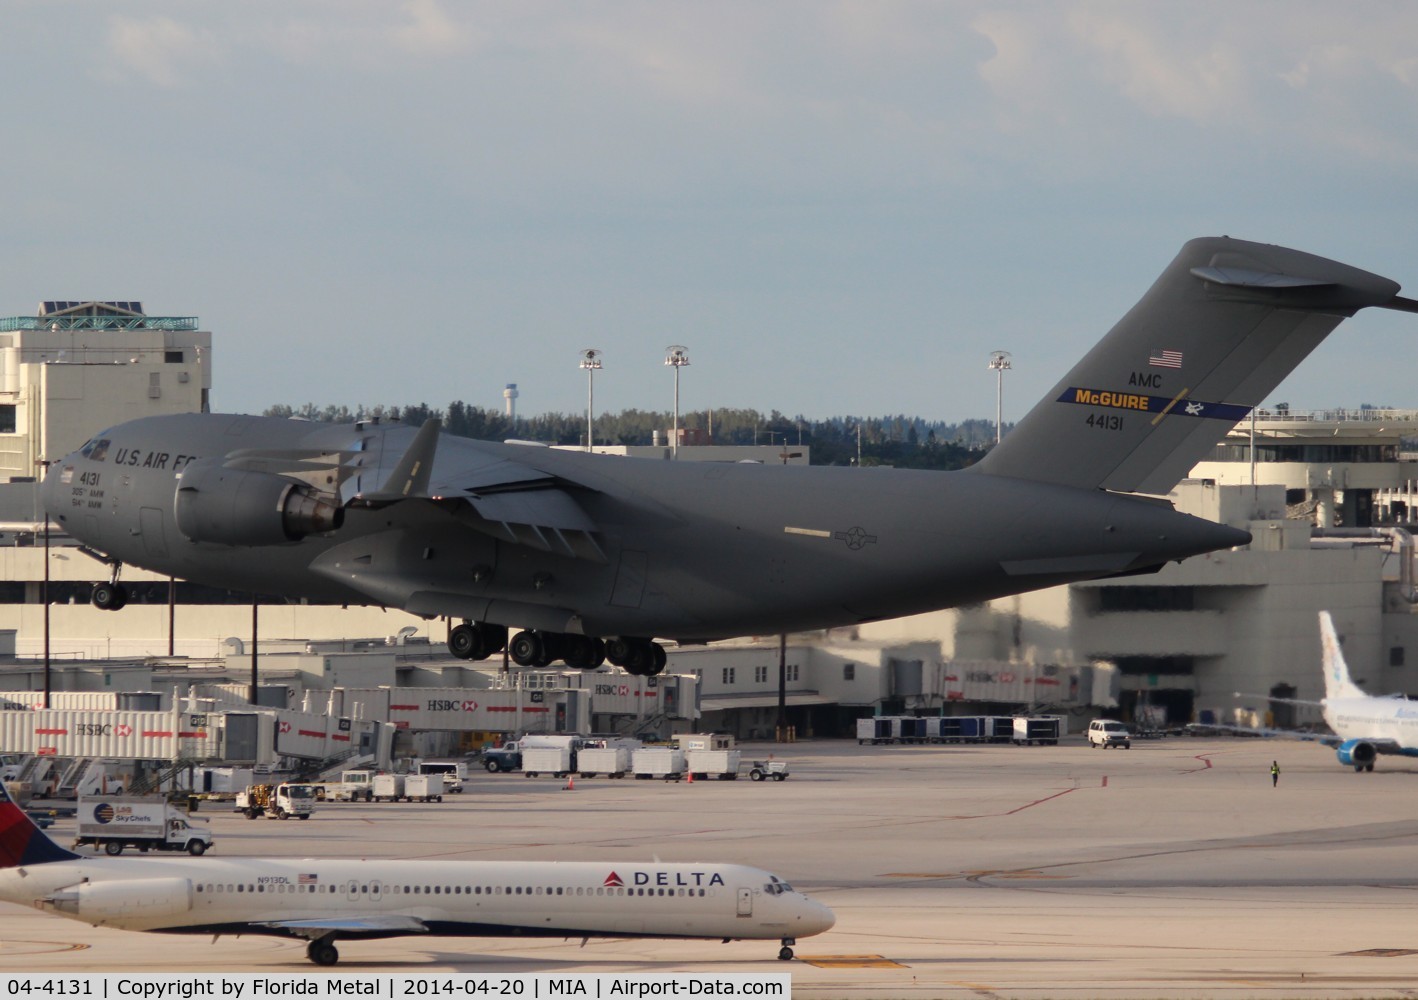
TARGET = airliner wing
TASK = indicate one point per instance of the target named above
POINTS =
(374, 926)
(510, 500)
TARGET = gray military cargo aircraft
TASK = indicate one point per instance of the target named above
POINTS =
(593, 557)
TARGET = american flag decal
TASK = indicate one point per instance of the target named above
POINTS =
(1165, 359)
(307, 879)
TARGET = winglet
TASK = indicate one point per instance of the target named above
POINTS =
(411, 476)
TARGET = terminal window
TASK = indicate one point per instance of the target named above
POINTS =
(7, 418)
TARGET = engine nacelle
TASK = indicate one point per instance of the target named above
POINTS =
(237, 507)
(98, 902)
(1356, 753)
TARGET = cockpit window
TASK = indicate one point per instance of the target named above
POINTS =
(777, 887)
(95, 449)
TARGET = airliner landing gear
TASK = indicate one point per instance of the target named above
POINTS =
(470, 641)
(540, 649)
(785, 953)
(322, 952)
(641, 657)
(112, 595)
(109, 596)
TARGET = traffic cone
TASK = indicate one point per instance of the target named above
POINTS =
(691, 777)
(570, 784)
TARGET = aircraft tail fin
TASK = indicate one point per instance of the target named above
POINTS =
(1221, 327)
(21, 841)
(1337, 682)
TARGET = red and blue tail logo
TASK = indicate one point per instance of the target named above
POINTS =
(23, 843)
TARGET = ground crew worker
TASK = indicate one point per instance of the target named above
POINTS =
(1274, 773)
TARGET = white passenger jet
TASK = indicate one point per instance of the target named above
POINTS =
(323, 900)
(1364, 725)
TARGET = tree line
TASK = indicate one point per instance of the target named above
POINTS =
(899, 440)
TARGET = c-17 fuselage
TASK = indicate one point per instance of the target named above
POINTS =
(595, 555)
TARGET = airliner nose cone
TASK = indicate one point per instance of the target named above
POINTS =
(817, 919)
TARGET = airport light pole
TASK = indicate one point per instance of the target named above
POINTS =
(999, 364)
(591, 361)
(676, 356)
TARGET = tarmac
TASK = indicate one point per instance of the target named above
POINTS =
(1170, 870)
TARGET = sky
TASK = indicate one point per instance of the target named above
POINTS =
(838, 208)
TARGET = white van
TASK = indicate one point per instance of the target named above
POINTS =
(1108, 733)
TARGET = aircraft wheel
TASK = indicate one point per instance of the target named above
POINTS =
(1368, 767)
(526, 648)
(658, 659)
(617, 651)
(599, 656)
(322, 952)
(785, 954)
(579, 651)
(494, 637)
(465, 642)
(109, 596)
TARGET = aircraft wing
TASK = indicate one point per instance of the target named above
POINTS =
(373, 925)
(510, 500)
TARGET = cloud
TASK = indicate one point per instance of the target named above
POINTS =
(430, 30)
(158, 48)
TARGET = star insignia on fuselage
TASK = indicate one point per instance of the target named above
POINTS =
(855, 538)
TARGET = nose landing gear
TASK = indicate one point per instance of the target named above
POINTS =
(785, 953)
(112, 595)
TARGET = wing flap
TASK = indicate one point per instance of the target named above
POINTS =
(374, 925)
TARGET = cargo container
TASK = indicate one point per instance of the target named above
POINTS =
(423, 788)
(999, 728)
(704, 741)
(874, 730)
(959, 729)
(613, 762)
(559, 761)
(721, 764)
(911, 730)
(113, 823)
(658, 762)
(387, 787)
(1042, 729)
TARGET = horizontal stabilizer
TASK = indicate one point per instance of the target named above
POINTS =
(1215, 334)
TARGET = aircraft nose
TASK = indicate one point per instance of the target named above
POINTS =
(815, 918)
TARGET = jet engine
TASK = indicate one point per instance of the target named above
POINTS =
(1357, 754)
(237, 507)
(98, 902)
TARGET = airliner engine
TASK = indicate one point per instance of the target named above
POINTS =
(236, 507)
(100, 902)
(1358, 754)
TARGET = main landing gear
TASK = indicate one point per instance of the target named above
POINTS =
(322, 951)
(535, 648)
(470, 641)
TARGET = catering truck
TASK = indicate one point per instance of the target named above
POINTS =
(147, 824)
